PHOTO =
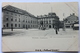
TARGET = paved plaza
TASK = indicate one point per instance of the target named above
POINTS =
(31, 39)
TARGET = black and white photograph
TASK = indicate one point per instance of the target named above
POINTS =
(40, 26)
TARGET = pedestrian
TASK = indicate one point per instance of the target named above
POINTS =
(56, 29)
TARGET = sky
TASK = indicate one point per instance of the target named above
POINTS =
(62, 9)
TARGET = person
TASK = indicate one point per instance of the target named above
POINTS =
(56, 29)
(56, 26)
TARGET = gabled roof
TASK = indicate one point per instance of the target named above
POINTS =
(70, 17)
(16, 10)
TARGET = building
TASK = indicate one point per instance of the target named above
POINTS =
(18, 18)
(48, 20)
(70, 20)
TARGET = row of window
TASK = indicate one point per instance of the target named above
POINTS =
(48, 21)
(71, 21)
(7, 19)
(23, 20)
(11, 14)
(18, 25)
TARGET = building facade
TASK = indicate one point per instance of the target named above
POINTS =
(48, 20)
(70, 20)
(18, 18)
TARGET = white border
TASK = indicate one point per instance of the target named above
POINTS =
(32, 1)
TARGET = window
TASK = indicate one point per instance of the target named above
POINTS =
(15, 25)
(19, 19)
(11, 25)
(7, 12)
(7, 19)
(31, 21)
(7, 25)
(11, 19)
(23, 26)
(19, 25)
(26, 21)
(68, 21)
(49, 21)
(4, 25)
(15, 19)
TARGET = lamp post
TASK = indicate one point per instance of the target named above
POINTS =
(63, 22)
(63, 25)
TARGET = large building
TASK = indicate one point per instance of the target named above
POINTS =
(70, 20)
(18, 18)
(48, 20)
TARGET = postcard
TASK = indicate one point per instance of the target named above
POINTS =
(40, 26)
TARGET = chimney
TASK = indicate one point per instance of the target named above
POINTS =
(73, 13)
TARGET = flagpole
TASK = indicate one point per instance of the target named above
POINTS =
(63, 22)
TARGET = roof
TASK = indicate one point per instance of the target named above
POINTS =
(70, 17)
(49, 17)
(17, 10)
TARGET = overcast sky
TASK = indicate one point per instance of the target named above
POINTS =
(45, 8)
